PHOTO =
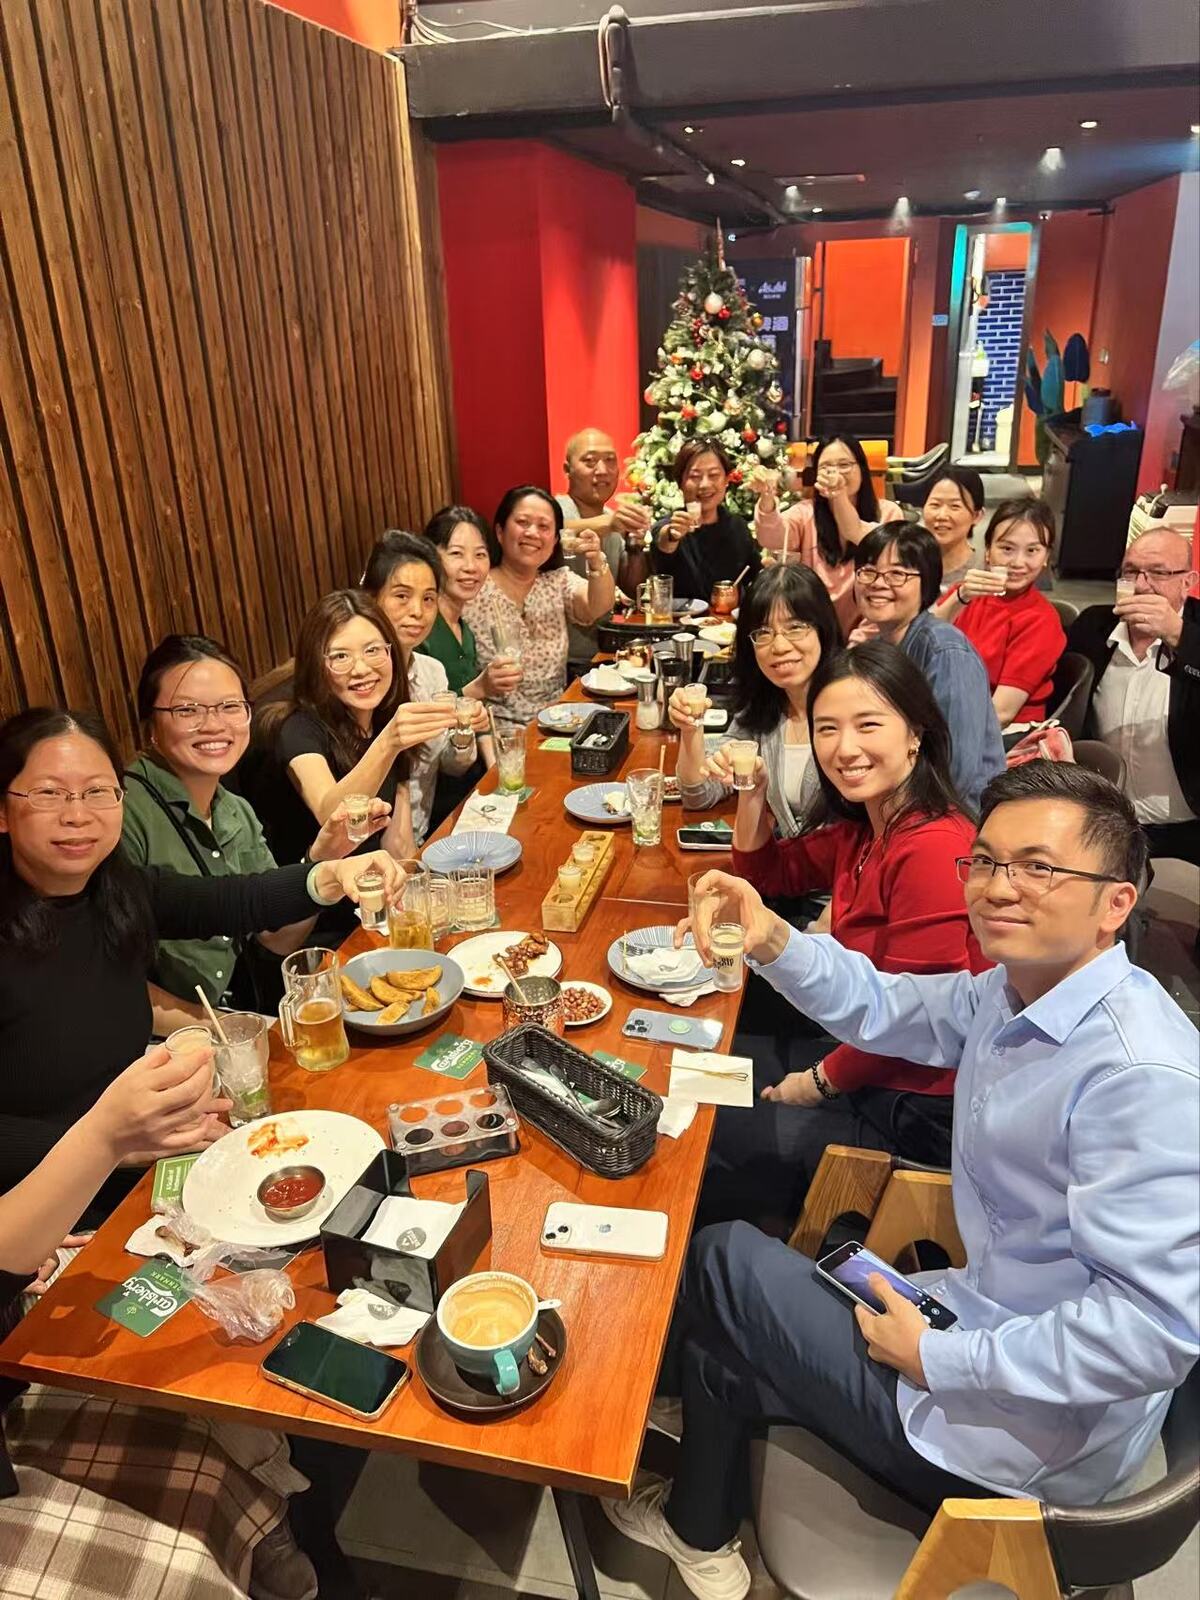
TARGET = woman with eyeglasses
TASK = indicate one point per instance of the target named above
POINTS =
(193, 707)
(999, 608)
(785, 627)
(897, 577)
(346, 730)
(404, 574)
(823, 531)
(521, 612)
(883, 842)
(79, 924)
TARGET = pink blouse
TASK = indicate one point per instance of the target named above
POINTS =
(794, 531)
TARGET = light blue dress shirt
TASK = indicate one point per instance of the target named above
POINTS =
(1076, 1181)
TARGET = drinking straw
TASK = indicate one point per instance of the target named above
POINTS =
(741, 575)
(212, 1015)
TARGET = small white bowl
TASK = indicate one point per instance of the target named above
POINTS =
(592, 988)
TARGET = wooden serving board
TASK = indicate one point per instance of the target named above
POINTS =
(566, 916)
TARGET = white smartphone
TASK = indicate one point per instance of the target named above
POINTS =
(605, 1231)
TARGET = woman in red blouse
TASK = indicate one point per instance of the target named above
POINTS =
(1013, 626)
(884, 846)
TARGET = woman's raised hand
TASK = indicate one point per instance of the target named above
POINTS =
(159, 1105)
(980, 581)
(501, 677)
(418, 720)
(722, 897)
(682, 713)
(334, 839)
(719, 765)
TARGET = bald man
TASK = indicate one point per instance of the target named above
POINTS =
(592, 467)
(1145, 701)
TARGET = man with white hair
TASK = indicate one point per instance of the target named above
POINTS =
(1145, 701)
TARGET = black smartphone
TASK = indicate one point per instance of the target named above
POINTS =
(849, 1267)
(340, 1372)
(701, 837)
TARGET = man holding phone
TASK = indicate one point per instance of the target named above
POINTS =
(1076, 1161)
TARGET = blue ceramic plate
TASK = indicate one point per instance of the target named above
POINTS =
(566, 719)
(587, 804)
(376, 963)
(661, 937)
(496, 850)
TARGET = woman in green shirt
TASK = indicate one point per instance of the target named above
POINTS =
(460, 535)
(192, 703)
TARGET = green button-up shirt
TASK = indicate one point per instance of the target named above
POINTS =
(163, 829)
(461, 661)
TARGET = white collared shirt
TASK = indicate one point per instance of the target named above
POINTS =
(1130, 707)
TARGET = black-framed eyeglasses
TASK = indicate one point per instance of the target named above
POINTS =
(790, 633)
(1036, 877)
(100, 797)
(894, 577)
(1154, 574)
(192, 713)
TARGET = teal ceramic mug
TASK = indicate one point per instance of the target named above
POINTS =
(488, 1321)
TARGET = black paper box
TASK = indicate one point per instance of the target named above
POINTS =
(415, 1281)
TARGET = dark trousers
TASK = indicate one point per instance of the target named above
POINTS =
(764, 1157)
(759, 1340)
(1178, 840)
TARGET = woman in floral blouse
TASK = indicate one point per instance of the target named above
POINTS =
(522, 608)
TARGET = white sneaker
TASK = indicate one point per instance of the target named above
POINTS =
(710, 1574)
(666, 1415)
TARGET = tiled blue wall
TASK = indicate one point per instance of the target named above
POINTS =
(1000, 335)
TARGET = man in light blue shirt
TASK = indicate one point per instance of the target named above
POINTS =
(1076, 1174)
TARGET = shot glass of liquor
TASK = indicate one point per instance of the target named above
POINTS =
(743, 753)
(372, 910)
(464, 712)
(570, 880)
(358, 813)
(728, 941)
(693, 697)
(693, 510)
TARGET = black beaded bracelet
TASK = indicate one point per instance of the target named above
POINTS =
(823, 1088)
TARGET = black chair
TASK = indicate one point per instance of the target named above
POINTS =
(1097, 757)
(909, 479)
(1071, 692)
(1067, 613)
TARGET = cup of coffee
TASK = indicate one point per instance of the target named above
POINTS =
(488, 1321)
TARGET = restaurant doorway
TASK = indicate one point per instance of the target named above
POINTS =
(991, 296)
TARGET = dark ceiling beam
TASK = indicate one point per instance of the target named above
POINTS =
(835, 50)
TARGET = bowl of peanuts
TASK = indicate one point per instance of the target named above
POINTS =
(584, 1003)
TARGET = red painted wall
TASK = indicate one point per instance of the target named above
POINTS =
(866, 284)
(1129, 295)
(375, 23)
(1064, 296)
(541, 295)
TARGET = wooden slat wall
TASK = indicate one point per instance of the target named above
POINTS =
(222, 363)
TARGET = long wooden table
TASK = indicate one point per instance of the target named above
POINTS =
(585, 1433)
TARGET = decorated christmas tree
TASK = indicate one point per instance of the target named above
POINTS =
(717, 380)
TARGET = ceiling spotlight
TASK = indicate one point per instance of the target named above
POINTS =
(1001, 201)
(737, 161)
(1089, 123)
(792, 190)
(972, 194)
(1196, 127)
(687, 128)
(817, 210)
(732, 237)
(1052, 158)
(710, 178)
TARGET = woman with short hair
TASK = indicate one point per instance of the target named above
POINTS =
(715, 548)
(525, 601)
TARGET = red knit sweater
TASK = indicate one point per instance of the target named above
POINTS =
(897, 900)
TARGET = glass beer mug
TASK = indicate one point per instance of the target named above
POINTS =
(310, 1013)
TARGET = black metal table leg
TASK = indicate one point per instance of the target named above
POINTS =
(569, 1506)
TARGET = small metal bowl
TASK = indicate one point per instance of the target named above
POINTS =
(290, 1213)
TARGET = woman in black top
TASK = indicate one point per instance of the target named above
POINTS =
(79, 922)
(720, 545)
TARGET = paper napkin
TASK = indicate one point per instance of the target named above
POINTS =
(370, 1319)
(711, 1079)
(487, 813)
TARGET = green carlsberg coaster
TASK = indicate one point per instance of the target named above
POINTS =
(451, 1055)
(147, 1297)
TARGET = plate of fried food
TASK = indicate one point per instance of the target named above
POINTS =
(525, 953)
(394, 992)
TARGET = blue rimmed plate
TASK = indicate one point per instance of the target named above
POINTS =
(565, 718)
(496, 850)
(587, 804)
(640, 941)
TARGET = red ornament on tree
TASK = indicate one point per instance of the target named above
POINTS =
(735, 476)
(648, 396)
(696, 374)
(687, 412)
(781, 427)
(749, 435)
(723, 314)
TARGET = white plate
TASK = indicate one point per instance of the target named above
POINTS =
(659, 937)
(592, 988)
(474, 956)
(625, 692)
(219, 1192)
(720, 633)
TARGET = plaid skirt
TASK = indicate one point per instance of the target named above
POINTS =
(118, 1501)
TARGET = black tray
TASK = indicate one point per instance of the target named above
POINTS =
(612, 1152)
(468, 1395)
(598, 763)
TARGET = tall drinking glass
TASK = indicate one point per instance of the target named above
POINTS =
(662, 598)
(506, 636)
(644, 786)
(473, 892)
(242, 1059)
(509, 743)
(410, 920)
(310, 1013)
